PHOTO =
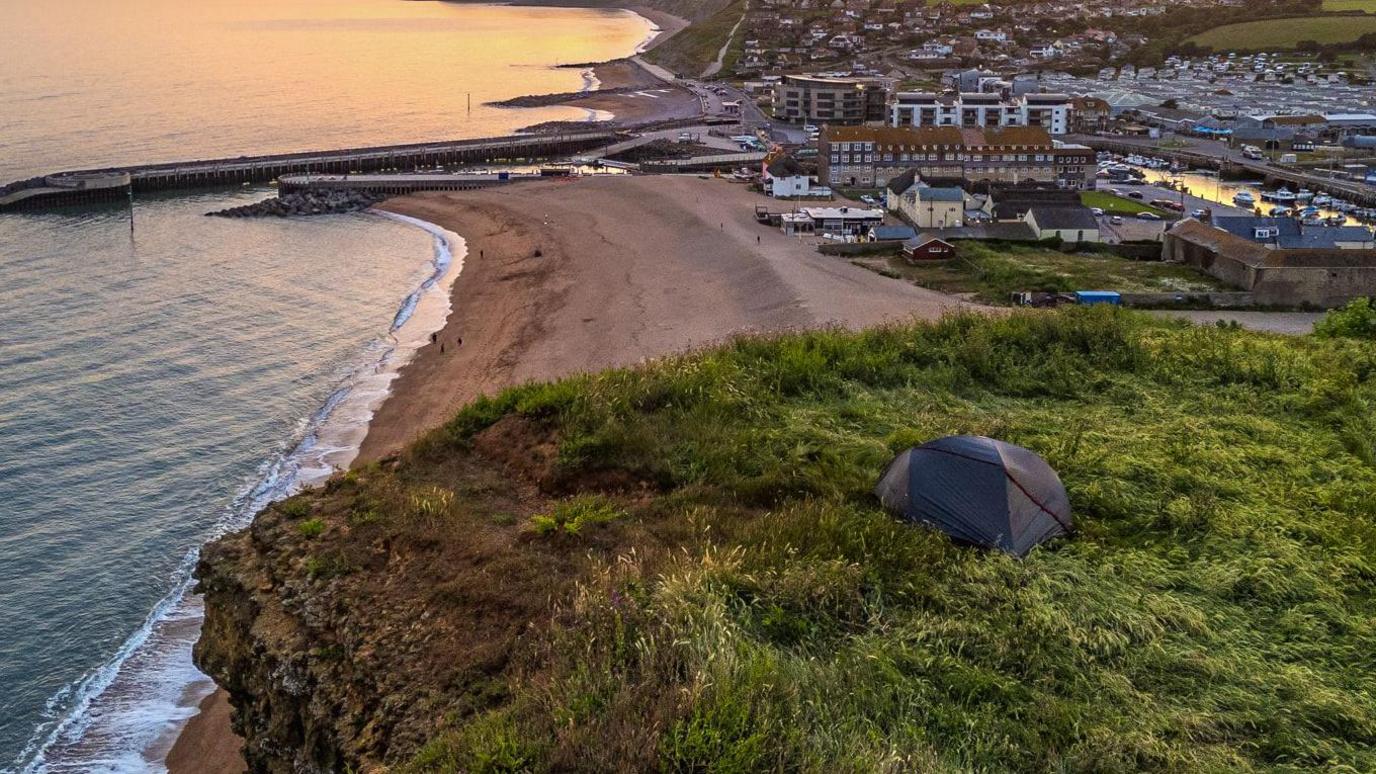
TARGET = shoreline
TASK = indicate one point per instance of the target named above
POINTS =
(206, 742)
(621, 84)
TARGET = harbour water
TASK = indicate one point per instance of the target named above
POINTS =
(1211, 188)
(157, 387)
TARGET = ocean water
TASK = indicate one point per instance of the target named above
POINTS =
(91, 83)
(157, 388)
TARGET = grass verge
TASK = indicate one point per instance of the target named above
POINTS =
(1119, 205)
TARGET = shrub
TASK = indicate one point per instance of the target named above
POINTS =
(311, 528)
(1357, 320)
(295, 507)
(576, 513)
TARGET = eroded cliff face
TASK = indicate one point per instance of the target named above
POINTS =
(275, 644)
(345, 638)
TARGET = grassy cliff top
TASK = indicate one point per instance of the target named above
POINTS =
(680, 566)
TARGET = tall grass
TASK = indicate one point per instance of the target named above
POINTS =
(1212, 611)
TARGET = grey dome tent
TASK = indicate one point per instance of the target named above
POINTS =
(978, 490)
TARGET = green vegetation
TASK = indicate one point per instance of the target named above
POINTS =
(1168, 32)
(992, 272)
(690, 52)
(1356, 320)
(753, 609)
(1118, 205)
(573, 515)
(1276, 34)
(295, 507)
(1342, 6)
(311, 528)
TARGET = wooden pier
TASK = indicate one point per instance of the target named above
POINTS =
(116, 183)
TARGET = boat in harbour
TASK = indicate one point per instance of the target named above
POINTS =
(1279, 196)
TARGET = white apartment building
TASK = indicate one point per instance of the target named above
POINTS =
(981, 111)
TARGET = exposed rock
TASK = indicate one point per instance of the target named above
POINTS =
(306, 203)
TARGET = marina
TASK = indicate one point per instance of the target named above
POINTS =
(1252, 195)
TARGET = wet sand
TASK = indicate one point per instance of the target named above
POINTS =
(207, 745)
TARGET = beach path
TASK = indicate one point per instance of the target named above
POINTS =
(628, 268)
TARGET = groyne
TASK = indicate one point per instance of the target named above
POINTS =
(117, 183)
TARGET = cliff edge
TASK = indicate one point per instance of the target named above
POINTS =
(680, 567)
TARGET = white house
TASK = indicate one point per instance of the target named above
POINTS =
(783, 178)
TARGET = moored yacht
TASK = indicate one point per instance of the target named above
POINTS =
(1281, 196)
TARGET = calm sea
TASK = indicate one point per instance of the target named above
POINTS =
(156, 388)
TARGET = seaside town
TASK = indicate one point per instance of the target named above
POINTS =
(689, 385)
(901, 134)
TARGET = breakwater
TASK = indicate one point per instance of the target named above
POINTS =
(114, 184)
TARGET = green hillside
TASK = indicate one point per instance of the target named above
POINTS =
(680, 566)
(690, 52)
(1274, 34)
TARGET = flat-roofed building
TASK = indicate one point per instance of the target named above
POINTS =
(820, 99)
(977, 110)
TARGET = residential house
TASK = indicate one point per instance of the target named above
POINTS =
(927, 247)
(1068, 224)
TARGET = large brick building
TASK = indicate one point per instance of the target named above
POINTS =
(868, 157)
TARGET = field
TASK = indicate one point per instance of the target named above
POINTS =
(697, 577)
(991, 273)
(1275, 34)
(1118, 205)
(1338, 6)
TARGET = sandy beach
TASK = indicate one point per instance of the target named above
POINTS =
(628, 268)
(207, 744)
(576, 275)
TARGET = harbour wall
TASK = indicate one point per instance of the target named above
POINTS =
(117, 183)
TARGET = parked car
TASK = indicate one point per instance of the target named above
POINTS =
(1197, 214)
(1098, 211)
(1136, 195)
(867, 199)
(1148, 216)
(1116, 220)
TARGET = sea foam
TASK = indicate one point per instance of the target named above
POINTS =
(125, 714)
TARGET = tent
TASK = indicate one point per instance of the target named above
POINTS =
(978, 490)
